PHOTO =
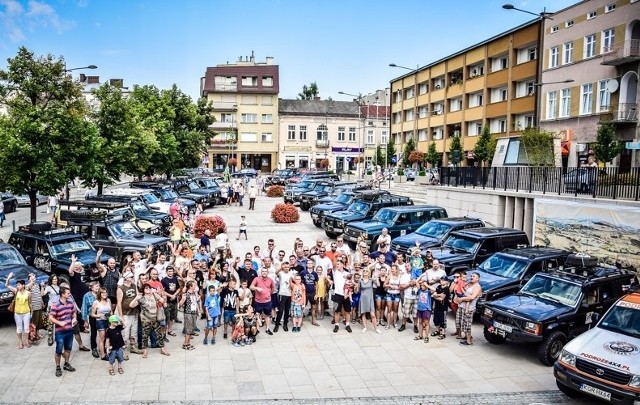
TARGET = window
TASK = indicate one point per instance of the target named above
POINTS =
(249, 137)
(291, 133)
(565, 103)
(341, 132)
(503, 94)
(474, 128)
(604, 97)
(408, 115)
(249, 118)
(567, 53)
(553, 57)
(590, 46)
(554, 29)
(322, 133)
(303, 132)
(267, 118)
(591, 15)
(502, 125)
(610, 7)
(423, 112)
(267, 137)
(397, 96)
(475, 100)
(423, 88)
(475, 71)
(267, 100)
(586, 99)
(531, 88)
(384, 138)
(352, 134)
(227, 117)
(422, 135)
(370, 137)
(569, 23)
(532, 53)
(267, 81)
(249, 81)
(552, 101)
(608, 38)
(409, 93)
(455, 104)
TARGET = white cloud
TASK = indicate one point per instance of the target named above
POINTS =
(12, 7)
(43, 13)
(16, 34)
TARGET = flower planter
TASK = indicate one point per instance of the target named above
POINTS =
(423, 180)
(400, 179)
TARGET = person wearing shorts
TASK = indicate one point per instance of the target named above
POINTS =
(62, 315)
(262, 287)
(424, 305)
(230, 301)
(212, 311)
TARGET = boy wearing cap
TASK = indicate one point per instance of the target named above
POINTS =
(115, 343)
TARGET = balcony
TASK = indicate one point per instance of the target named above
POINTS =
(219, 126)
(322, 143)
(621, 53)
(623, 113)
(223, 143)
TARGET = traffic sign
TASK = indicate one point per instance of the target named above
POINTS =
(632, 145)
(393, 159)
(348, 159)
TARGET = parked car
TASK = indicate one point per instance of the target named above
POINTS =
(166, 194)
(251, 173)
(581, 179)
(339, 203)
(410, 174)
(12, 262)
(602, 362)
(433, 233)
(555, 306)
(25, 201)
(10, 202)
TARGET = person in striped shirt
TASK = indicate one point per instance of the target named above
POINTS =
(63, 315)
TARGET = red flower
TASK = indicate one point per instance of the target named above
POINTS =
(214, 223)
(285, 214)
(275, 191)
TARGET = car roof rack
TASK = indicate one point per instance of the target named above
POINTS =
(97, 204)
(49, 232)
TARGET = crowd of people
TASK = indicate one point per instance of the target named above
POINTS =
(267, 290)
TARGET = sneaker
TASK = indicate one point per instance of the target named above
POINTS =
(213, 341)
(349, 328)
(177, 321)
(378, 331)
(196, 329)
(236, 344)
(415, 329)
(268, 332)
(402, 327)
(166, 340)
(94, 353)
(248, 342)
(364, 330)
(336, 329)
(224, 336)
(205, 341)
(68, 367)
(58, 372)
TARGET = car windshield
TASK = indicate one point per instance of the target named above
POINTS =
(305, 184)
(121, 229)
(193, 185)
(386, 216)
(281, 172)
(624, 318)
(209, 183)
(433, 229)
(168, 194)
(343, 199)
(359, 207)
(66, 246)
(150, 198)
(553, 289)
(10, 258)
(461, 243)
(139, 206)
(503, 266)
(321, 188)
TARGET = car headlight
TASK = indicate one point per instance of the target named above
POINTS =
(570, 359)
(7, 295)
(488, 313)
(635, 381)
(157, 221)
(532, 327)
(315, 199)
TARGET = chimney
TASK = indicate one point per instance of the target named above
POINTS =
(93, 79)
(253, 58)
(269, 60)
(83, 78)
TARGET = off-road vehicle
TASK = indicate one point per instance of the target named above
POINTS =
(433, 233)
(555, 306)
(339, 203)
(323, 189)
(167, 194)
(141, 210)
(12, 262)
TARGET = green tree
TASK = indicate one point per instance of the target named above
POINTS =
(391, 150)
(379, 158)
(45, 137)
(309, 93)
(455, 149)
(538, 146)
(606, 147)
(409, 147)
(485, 147)
(118, 126)
(432, 156)
(156, 149)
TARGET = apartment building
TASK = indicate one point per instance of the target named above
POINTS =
(314, 130)
(595, 43)
(491, 83)
(375, 112)
(244, 96)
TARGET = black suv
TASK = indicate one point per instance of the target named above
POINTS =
(208, 183)
(167, 194)
(398, 221)
(365, 207)
(433, 233)
(50, 250)
(555, 306)
(294, 194)
(506, 272)
(469, 247)
(323, 189)
(12, 262)
(141, 210)
(185, 186)
(338, 203)
(115, 234)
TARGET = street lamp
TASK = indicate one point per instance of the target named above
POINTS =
(542, 16)
(358, 100)
(415, 97)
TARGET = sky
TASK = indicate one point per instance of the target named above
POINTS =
(342, 45)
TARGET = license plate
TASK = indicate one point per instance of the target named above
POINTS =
(595, 391)
(337, 229)
(351, 238)
(502, 326)
(314, 216)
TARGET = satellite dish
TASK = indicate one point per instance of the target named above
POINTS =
(612, 85)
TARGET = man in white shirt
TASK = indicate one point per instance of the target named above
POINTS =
(140, 264)
(253, 193)
(409, 309)
(343, 247)
(284, 297)
(342, 303)
(434, 274)
(384, 238)
(322, 259)
(270, 250)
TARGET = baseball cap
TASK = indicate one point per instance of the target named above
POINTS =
(127, 274)
(114, 319)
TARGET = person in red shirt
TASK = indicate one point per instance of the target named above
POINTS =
(262, 288)
(457, 288)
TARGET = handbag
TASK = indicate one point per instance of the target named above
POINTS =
(12, 306)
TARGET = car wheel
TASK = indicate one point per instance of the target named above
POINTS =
(331, 234)
(317, 224)
(570, 392)
(551, 347)
(493, 338)
(352, 245)
(305, 206)
(63, 278)
(14, 206)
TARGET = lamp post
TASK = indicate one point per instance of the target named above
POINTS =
(542, 16)
(358, 100)
(415, 97)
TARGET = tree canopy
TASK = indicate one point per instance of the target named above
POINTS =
(485, 147)
(538, 146)
(309, 92)
(606, 146)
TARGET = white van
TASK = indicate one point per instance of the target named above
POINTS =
(604, 362)
(148, 196)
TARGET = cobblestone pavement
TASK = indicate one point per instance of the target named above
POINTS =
(315, 366)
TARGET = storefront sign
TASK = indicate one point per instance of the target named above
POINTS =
(339, 149)
(295, 148)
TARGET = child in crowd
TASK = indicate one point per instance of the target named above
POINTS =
(321, 291)
(244, 294)
(212, 309)
(423, 306)
(348, 287)
(243, 228)
(115, 343)
(298, 302)
(417, 264)
(441, 303)
(355, 299)
(230, 300)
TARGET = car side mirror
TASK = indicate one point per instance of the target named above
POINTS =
(110, 238)
(595, 317)
(482, 252)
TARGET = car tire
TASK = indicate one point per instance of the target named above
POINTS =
(331, 234)
(570, 392)
(14, 206)
(551, 347)
(317, 224)
(493, 338)
(40, 226)
(352, 245)
(305, 206)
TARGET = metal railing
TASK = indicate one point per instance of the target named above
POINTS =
(622, 50)
(593, 182)
(623, 112)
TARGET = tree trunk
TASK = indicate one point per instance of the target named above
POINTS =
(34, 205)
(100, 186)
